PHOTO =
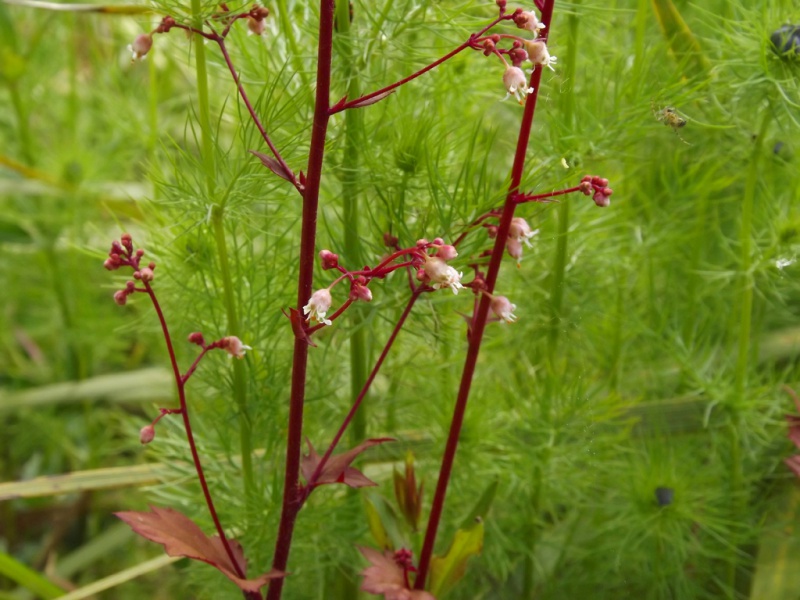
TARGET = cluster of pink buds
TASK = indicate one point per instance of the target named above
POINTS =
(597, 188)
(122, 254)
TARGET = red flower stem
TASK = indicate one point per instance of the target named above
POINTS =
(209, 36)
(319, 129)
(337, 438)
(179, 382)
(223, 48)
(478, 221)
(190, 372)
(538, 197)
(479, 321)
(433, 65)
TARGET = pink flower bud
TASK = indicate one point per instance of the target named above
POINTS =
(447, 252)
(121, 297)
(111, 264)
(423, 276)
(491, 230)
(329, 259)
(390, 240)
(521, 231)
(361, 292)
(145, 274)
(528, 20)
(147, 434)
(141, 46)
(422, 242)
(197, 338)
(601, 200)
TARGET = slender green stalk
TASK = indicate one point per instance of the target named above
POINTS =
(738, 499)
(353, 129)
(239, 381)
(204, 112)
(217, 219)
(557, 281)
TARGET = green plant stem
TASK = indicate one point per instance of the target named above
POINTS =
(738, 499)
(558, 282)
(352, 240)
(204, 112)
(239, 380)
(23, 126)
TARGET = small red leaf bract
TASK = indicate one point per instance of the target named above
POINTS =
(385, 576)
(273, 165)
(180, 536)
(338, 469)
(297, 326)
(372, 100)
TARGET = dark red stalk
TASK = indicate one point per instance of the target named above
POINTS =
(522, 199)
(291, 488)
(480, 318)
(416, 293)
(180, 383)
(253, 114)
(433, 65)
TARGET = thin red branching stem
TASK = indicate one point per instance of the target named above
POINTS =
(476, 222)
(522, 199)
(209, 36)
(384, 353)
(433, 65)
(185, 377)
(291, 489)
(179, 382)
(289, 173)
(479, 320)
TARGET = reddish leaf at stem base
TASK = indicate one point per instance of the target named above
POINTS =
(180, 536)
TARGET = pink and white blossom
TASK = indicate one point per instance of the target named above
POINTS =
(318, 306)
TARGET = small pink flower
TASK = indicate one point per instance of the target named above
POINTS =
(256, 26)
(502, 307)
(234, 346)
(538, 54)
(121, 297)
(441, 274)
(516, 84)
(528, 20)
(318, 305)
(197, 338)
(521, 231)
(141, 46)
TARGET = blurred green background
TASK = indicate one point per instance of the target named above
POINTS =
(653, 341)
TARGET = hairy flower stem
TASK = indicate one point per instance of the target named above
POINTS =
(480, 318)
(291, 489)
(180, 383)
